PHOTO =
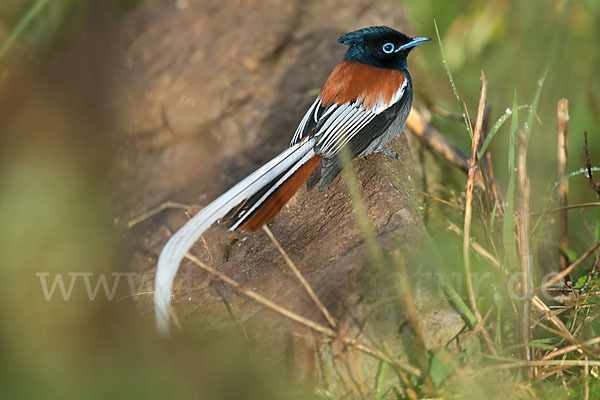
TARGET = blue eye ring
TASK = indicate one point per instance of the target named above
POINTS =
(388, 48)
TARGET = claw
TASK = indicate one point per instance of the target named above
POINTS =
(387, 152)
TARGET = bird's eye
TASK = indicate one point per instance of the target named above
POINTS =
(388, 48)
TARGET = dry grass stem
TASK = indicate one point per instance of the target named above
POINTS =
(477, 248)
(164, 206)
(469, 198)
(303, 321)
(569, 207)
(570, 268)
(446, 202)
(438, 143)
(563, 187)
(300, 277)
(496, 194)
(175, 319)
(354, 371)
(413, 317)
(571, 348)
(544, 309)
(586, 381)
(469, 210)
(487, 165)
(478, 328)
(539, 363)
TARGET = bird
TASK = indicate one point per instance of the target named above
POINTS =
(363, 104)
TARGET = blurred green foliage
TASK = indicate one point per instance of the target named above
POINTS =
(42, 25)
(38, 25)
(512, 42)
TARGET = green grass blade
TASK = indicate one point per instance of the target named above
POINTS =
(496, 127)
(23, 23)
(460, 102)
(580, 171)
(380, 380)
(365, 225)
(571, 255)
(498, 329)
(327, 375)
(459, 303)
(493, 132)
(507, 222)
(492, 221)
(534, 104)
(441, 367)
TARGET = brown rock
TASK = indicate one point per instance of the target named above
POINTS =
(208, 92)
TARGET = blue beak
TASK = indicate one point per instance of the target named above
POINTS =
(414, 42)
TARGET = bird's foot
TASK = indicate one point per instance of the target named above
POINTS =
(387, 152)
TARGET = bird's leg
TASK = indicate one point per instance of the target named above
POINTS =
(387, 152)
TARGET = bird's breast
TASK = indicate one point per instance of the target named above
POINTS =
(375, 88)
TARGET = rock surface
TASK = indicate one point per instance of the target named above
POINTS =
(204, 93)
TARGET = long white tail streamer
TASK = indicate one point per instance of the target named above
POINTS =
(180, 243)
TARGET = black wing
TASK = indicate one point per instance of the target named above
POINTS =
(363, 130)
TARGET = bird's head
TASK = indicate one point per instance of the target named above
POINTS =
(380, 46)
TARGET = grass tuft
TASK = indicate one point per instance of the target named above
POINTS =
(454, 89)
(23, 23)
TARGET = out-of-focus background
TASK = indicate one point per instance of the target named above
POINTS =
(94, 117)
(512, 42)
